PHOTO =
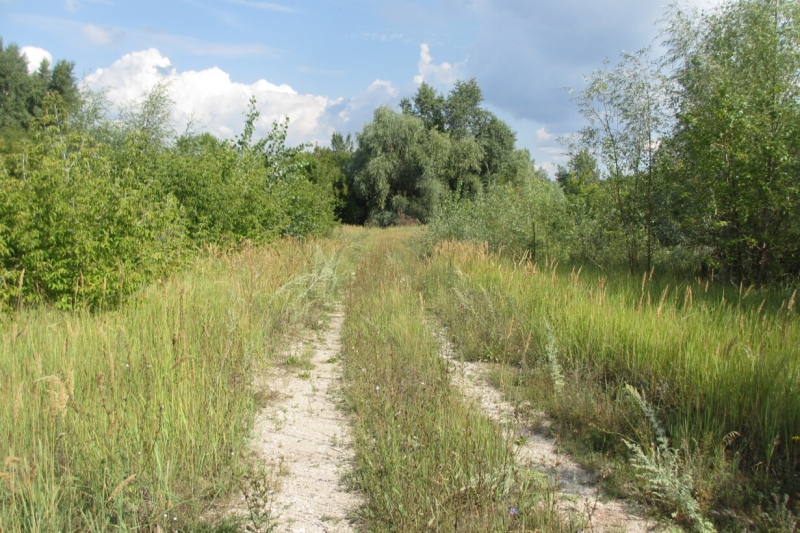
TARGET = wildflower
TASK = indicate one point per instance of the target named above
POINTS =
(378, 388)
(513, 511)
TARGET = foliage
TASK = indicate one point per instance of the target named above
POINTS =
(73, 227)
(406, 163)
(530, 218)
(22, 94)
(394, 167)
(624, 107)
(736, 145)
(94, 208)
(666, 477)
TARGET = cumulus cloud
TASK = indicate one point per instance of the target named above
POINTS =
(35, 56)
(547, 151)
(358, 110)
(442, 74)
(542, 136)
(218, 104)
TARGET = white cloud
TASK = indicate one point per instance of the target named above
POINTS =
(267, 6)
(442, 74)
(71, 5)
(350, 114)
(102, 36)
(35, 56)
(542, 137)
(218, 103)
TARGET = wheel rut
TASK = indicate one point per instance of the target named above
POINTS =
(576, 489)
(305, 437)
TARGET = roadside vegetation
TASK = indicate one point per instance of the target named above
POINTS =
(139, 417)
(716, 366)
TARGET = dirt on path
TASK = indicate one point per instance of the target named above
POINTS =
(305, 437)
(578, 491)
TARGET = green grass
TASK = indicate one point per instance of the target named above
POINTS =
(719, 363)
(426, 459)
(137, 417)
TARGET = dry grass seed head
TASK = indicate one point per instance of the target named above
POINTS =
(121, 487)
(17, 402)
(58, 394)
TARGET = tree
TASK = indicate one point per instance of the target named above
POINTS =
(15, 86)
(474, 132)
(391, 168)
(463, 115)
(64, 83)
(580, 176)
(737, 139)
(22, 94)
(428, 105)
(625, 108)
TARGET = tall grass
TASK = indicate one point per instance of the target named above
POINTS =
(137, 417)
(426, 459)
(720, 363)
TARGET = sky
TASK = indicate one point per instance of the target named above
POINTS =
(328, 64)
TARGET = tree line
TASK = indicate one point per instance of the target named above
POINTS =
(404, 164)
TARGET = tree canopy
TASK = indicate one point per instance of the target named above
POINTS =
(406, 162)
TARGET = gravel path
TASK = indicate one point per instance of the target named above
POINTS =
(306, 436)
(578, 490)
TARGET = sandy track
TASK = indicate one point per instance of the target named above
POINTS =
(577, 489)
(307, 435)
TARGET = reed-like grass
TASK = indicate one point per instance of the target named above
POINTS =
(137, 417)
(720, 363)
(426, 459)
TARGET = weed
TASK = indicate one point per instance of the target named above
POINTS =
(258, 485)
(666, 477)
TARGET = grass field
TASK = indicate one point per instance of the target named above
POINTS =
(134, 417)
(425, 458)
(719, 366)
(682, 394)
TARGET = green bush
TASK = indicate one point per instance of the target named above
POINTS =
(518, 218)
(73, 228)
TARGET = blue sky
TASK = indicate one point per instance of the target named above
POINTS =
(328, 64)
